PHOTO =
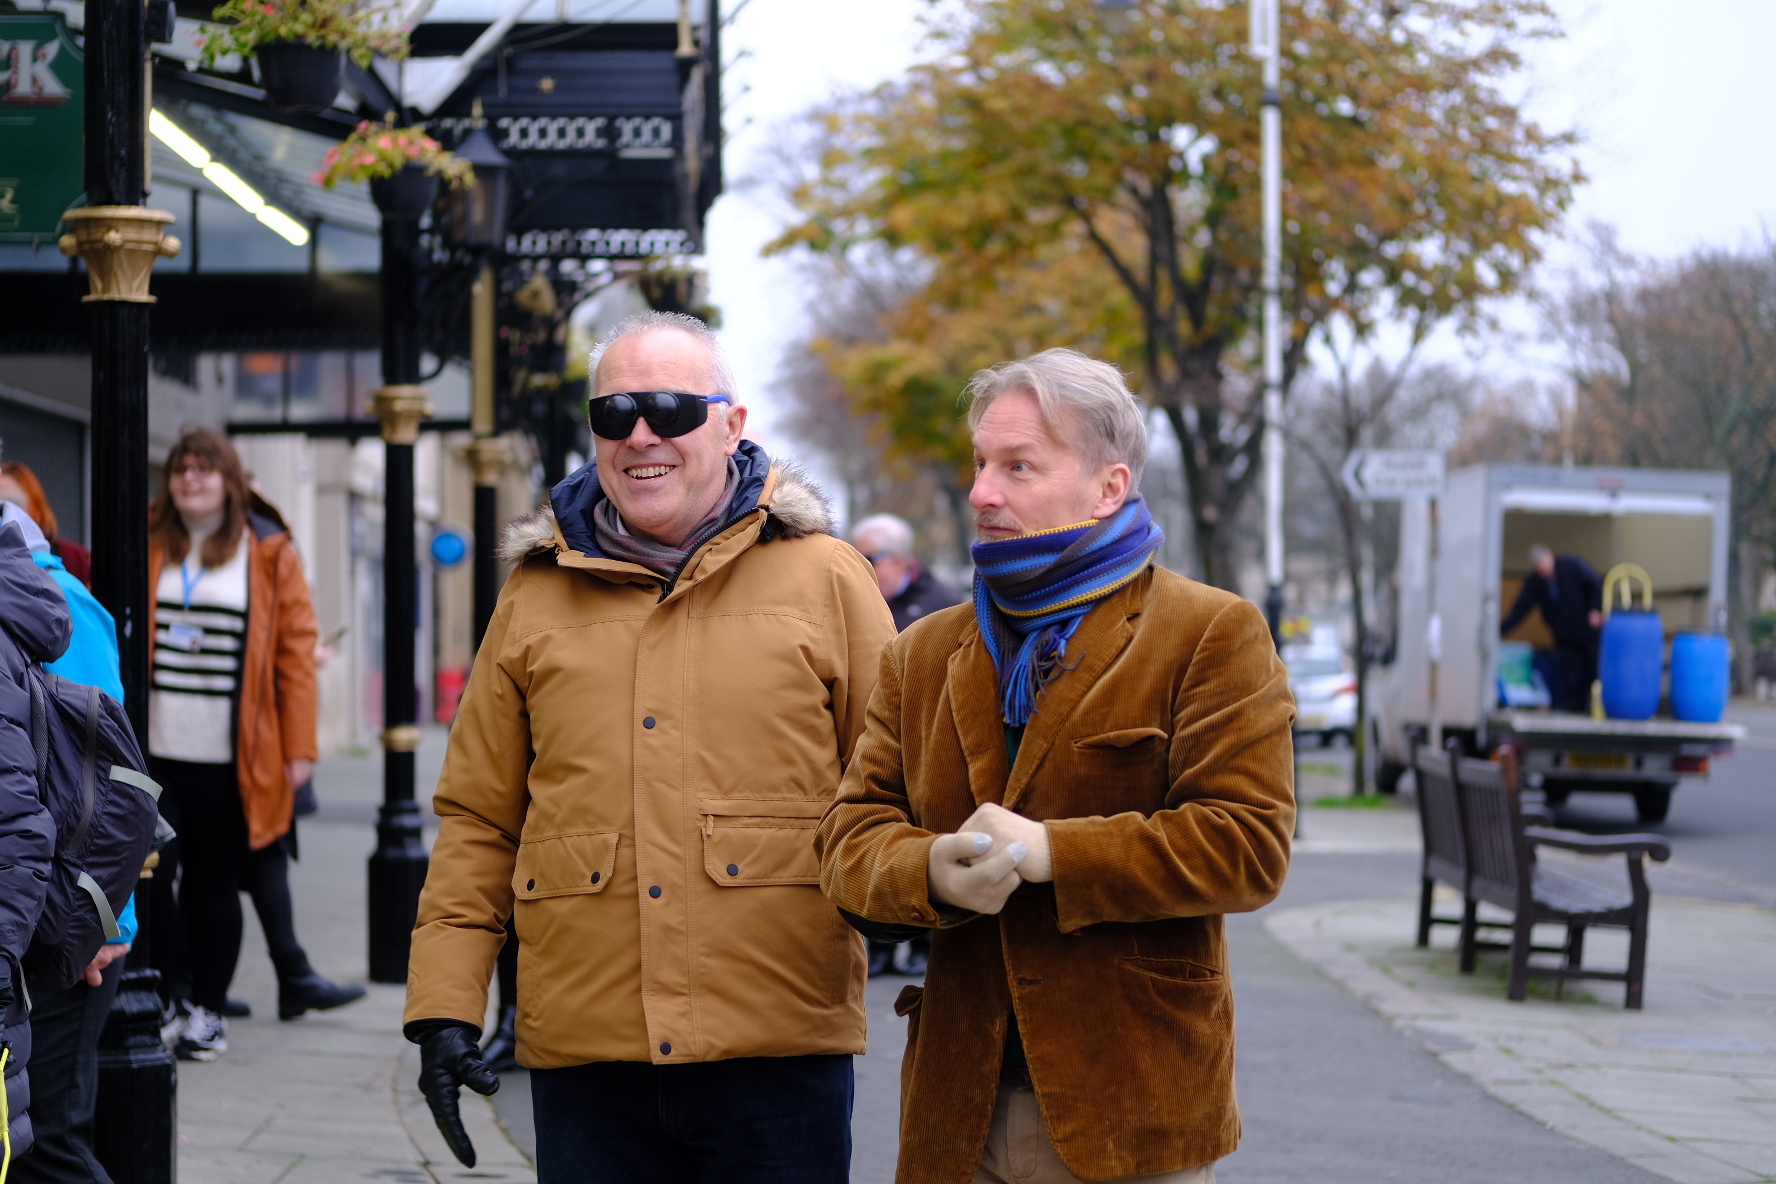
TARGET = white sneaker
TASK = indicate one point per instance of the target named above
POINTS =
(205, 1036)
(173, 1021)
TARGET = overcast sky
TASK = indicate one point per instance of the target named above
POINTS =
(1673, 102)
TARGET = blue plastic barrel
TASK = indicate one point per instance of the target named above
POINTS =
(1631, 661)
(1700, 675)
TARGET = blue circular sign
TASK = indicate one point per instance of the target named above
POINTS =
(449, 547)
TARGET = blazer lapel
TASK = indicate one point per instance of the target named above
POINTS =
(1100, 637)
(973, 689)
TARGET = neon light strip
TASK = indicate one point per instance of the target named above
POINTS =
(225, 179)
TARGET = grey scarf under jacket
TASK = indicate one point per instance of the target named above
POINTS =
(615, 540)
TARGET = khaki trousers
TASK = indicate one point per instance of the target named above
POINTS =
(1018, 1150)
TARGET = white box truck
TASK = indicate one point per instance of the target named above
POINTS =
(1445, 672)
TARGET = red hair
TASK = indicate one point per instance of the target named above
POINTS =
(37, 505)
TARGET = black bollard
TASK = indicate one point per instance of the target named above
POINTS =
(138, 1088)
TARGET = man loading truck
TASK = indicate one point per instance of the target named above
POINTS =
(1570, 594)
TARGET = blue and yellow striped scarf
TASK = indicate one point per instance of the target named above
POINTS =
(1031, 592)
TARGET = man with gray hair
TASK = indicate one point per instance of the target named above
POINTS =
(886, 540)
(1070, 780)
(665, 700)
(911, 591)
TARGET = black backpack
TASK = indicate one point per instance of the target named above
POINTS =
(90, 774)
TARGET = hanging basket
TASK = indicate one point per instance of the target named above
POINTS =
(407, 194)
(300, 78)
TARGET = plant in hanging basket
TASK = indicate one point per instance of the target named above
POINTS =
(376, 151)
(359, 27)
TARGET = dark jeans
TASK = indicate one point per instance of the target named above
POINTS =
(65, 1028)
(756, 1120)
(203, 803)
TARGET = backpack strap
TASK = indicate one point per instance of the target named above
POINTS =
(107, 918)
(39, 731)
(89, 771)
(143, 782)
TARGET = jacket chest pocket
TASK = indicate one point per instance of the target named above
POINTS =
(1131, 743)
(749, 842)
(564, 865)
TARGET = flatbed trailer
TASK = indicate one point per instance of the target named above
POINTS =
(1646, 758)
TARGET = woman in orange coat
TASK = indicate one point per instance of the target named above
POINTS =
(231, 727)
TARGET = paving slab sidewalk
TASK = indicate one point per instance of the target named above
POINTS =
(330, 1097)
(1685, 1088)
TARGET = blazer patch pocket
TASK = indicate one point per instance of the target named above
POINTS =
(1124, 738)
(565, 865)
(748, 842)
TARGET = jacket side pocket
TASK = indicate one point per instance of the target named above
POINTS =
(752, 843)
(565, 865)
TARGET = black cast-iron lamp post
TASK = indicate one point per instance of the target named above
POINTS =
(398, 865)
(478, 222)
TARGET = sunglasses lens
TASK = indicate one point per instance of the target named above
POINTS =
(614, 416)
(673, 415)
(663, 412)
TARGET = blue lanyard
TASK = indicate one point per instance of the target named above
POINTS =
(190, 581)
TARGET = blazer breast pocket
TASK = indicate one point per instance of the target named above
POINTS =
(1122, 740)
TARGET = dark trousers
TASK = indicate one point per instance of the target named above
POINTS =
(203, 803)
(1578, 670)
(65, 1027)
(756, 1120)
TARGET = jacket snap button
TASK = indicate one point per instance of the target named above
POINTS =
(595, 877)
(648, 722)
(665, 1048)
(530, 886)
(918, 914)
(654, 892)
(733, 869)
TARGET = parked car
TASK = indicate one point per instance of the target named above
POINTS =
(1325, 694)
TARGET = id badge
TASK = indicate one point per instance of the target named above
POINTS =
(185, 637)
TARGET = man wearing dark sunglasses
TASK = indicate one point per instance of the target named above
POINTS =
(659, 715)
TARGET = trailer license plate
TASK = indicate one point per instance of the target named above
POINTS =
(1597, 760)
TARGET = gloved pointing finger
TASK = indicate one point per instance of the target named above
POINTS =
(448, 1060)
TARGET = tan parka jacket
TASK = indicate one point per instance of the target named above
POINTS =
(1162, 766)
(639, 778)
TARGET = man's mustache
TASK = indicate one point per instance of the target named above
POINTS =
(995, 521)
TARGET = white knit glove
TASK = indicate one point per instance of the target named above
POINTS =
(1007, 828)
(961, 874)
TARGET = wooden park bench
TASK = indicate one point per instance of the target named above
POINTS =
(1498, 837)
(1445, 853)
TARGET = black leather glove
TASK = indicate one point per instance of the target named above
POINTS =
(449, 1058)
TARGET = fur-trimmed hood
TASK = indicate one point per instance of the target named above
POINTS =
(797, 507)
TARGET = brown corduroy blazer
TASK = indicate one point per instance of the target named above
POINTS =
(1163, 767)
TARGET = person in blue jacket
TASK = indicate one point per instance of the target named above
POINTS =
(65, 1024)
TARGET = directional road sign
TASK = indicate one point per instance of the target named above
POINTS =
(1388, 474)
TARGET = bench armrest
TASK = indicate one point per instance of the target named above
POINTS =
(1652, 846)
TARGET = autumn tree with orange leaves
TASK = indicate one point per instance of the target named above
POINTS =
(1064, 174)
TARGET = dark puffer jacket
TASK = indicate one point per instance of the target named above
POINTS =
(34, 627)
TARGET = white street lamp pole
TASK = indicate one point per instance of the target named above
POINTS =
(1267, 45)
